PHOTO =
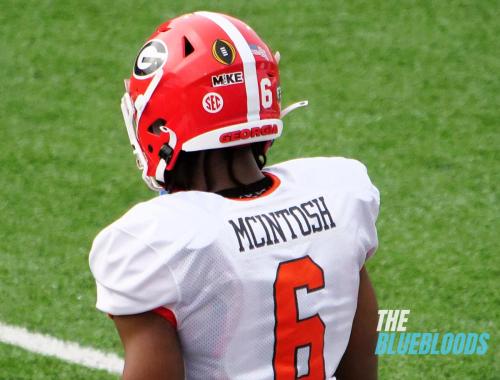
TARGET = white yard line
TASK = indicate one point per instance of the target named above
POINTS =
(68, 351)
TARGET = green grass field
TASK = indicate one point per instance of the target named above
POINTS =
(411, 88)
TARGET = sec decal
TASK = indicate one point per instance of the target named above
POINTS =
(224, 52)
(150, 59)
(212, 102)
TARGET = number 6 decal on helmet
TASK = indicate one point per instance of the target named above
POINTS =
(266, 95)
(291, 333)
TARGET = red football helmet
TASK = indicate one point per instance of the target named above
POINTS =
(201, 81)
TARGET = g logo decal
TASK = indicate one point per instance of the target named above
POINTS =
(150, 59)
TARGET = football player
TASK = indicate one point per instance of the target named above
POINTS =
(239, 271)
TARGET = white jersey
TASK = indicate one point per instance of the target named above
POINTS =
(263, 288)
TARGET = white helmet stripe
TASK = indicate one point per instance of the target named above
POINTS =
(249, 69)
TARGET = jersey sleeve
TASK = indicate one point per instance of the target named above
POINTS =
(131, 276)
(367, 204)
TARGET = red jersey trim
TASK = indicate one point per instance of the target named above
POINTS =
(162, 312)
(166, 314)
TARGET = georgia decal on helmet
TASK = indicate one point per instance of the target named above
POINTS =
(201, 81)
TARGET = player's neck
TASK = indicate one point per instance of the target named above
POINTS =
(216, 172)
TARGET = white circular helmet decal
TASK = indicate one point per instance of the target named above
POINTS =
(212, 102)
(150, 59)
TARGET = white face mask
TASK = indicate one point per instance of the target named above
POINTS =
(131, 109)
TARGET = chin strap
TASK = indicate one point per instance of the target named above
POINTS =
(293, 107)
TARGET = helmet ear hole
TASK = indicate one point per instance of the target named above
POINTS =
(156, 127)
(150, 148)
(188, 47)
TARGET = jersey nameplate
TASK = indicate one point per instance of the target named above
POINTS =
(276, 227)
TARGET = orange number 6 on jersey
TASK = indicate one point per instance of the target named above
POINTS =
(292, 333)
